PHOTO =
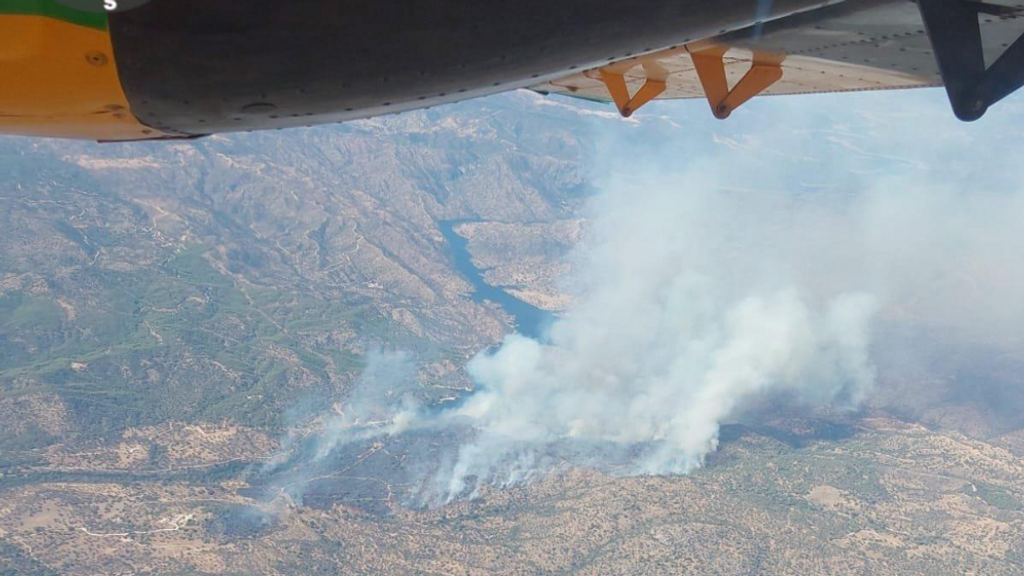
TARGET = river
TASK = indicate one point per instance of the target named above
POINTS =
(529, 320)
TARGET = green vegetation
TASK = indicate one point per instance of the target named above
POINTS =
(200, 476)
(15, 562)
(997, 497)
(181, 341)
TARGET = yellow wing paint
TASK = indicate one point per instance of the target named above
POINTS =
(58, 79)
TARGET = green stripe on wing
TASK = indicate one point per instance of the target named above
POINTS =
(55, 10)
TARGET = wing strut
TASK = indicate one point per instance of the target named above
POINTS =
(765, 71)
(955, 33)
(709, 62)
(615, 80)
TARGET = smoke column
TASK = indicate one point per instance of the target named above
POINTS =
(681, 316)
(765, 261)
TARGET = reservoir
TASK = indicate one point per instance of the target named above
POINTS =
(529, 320)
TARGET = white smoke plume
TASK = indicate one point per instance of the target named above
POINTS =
(380, 400)
(682, 316)
(380, 403)
(777, 263)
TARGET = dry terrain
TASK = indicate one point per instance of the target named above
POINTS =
(883, 497)
(176, 319)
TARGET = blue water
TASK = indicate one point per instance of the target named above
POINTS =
(529, 320)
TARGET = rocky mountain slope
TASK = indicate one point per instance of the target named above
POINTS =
(229, 277)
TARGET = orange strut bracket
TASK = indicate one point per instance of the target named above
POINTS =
(616, 84)
(710, 64)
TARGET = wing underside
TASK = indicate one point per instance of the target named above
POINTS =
(852, 46)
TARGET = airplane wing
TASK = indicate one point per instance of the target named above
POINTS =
(164, 69)
(847, 47)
